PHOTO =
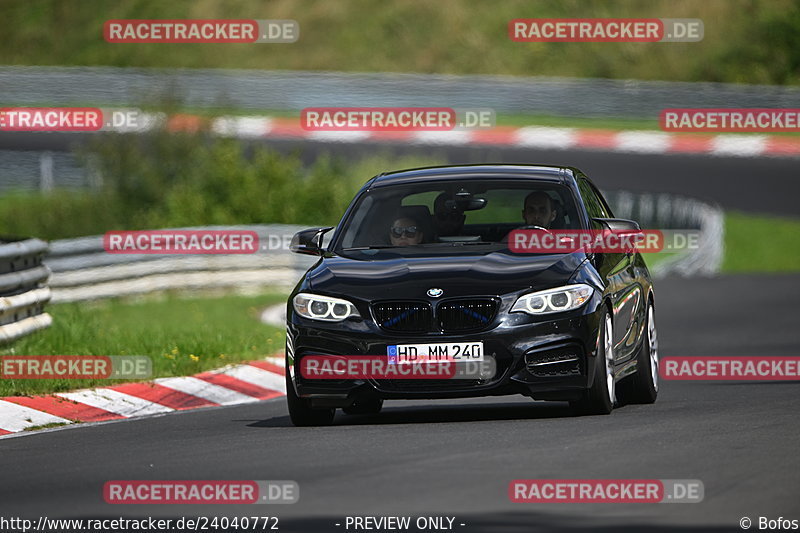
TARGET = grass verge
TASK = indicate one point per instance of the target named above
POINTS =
(753, 244)
(183, 336)
(46, 426)
(761, 243)
(653, 259)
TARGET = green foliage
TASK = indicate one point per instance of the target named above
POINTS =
(58, 215)
(746, 41)
(161, 180)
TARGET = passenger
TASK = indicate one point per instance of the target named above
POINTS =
(405, 231)
(449, 221)
(539, 210)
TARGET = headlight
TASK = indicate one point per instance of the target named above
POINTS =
(555, 300)
(325, 308)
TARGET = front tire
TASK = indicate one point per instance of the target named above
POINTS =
(600, 397)
(642, 387)
(301, 413)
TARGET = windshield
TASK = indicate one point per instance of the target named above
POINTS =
(447, 214)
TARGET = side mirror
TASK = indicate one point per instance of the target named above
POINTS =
(308, 241)
(619, 224)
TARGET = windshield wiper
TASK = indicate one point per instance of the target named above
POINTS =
(417, 246)
(376, 247)
(471, 243)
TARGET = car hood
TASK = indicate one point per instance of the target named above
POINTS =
(457, 275)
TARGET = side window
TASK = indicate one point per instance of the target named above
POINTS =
(594, 206)
(603, 203)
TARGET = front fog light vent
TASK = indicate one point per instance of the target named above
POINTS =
(563, 362)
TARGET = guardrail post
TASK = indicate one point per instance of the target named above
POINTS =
(46, 171)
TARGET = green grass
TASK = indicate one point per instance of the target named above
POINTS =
(746, 41)
(653, 259)
(46, 426)
(761, 243)
(753, 244)
(183, 336)
(59, 214)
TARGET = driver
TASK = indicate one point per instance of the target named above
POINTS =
(405, 231)
(539, 210)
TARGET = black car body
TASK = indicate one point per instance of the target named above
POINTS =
(475, 281)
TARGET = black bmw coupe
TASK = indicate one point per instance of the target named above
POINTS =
(420, 266)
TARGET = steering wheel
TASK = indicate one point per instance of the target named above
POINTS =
(535, 227)
(505, 239)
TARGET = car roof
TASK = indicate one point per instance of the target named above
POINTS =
(555, 174)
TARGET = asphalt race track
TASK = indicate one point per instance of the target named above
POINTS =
(456, 458)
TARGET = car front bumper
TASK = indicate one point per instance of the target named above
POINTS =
(546, 358)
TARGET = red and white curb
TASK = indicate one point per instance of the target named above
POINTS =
(630, 141)
(233, 384)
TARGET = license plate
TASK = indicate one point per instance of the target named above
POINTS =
(438, 352)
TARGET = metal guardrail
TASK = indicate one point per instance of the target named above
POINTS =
(294, 90)
(23, 289)
(667, 211)
(82, 270)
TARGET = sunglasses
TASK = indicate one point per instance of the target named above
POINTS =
(408, 231)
